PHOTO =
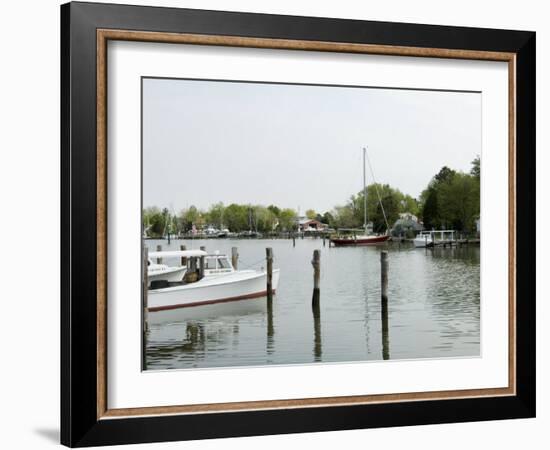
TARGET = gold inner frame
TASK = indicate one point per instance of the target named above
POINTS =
(104, 35)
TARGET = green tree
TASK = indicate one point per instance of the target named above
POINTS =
(287, 219)
(236, 217)
(476, 168)
(215, 214)
(275, 210)
(430, 210)
(311, 214)
(460, 202)
(452, 200)
(191, 216)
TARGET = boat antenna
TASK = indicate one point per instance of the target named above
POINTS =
(376, 188)
(364, 190)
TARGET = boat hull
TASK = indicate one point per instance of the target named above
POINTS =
(362, 241)
(421, 243)
(173, 302)
(171, 274)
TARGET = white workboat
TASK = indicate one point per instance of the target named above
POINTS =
(220, 284)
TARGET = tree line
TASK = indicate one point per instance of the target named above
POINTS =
(451, 200)
(235, 217)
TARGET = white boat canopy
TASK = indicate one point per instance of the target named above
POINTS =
(178, 254)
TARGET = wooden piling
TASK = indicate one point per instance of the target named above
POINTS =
(316, 263)
(317, 343)
(269, 260)
(384, 299)
(384, 274)
(183, 258)
(159, 249)
(144, 318)
(385, 331)
(234, 257)
(201, 267)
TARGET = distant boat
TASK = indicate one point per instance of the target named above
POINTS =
(428, 238)
(423, 239)
(221, 283)
(353, 241)
(365, 239)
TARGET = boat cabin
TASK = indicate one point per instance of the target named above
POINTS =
(198, 264)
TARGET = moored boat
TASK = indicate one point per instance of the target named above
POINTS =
(366, 239)
(219, 283)
(359, 240)
(162, 272)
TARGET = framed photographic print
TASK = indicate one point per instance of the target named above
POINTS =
(277, 224)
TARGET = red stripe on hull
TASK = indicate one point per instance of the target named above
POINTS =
(358, 242)
(209, 302)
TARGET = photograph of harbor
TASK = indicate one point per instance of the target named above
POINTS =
(305, 224)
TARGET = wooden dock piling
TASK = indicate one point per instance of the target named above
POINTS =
(384, 274)
(159, 249)
(183, 258)
(385, 331)
(234, 257)
(269, 260)
(202, 263)
(316, 263)
(384, 299)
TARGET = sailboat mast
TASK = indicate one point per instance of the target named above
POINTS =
(364, 190)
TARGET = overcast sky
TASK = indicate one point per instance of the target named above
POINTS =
(296, 146)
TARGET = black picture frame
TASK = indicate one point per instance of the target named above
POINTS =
(80, 425)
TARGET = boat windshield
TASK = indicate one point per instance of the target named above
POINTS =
(211, 263)
(223, 263)
(217, 262)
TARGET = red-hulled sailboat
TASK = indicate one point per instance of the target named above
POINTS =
(366, 239)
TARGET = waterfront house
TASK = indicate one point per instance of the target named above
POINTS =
(305, 224)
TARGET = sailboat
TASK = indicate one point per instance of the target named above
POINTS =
(364, 239)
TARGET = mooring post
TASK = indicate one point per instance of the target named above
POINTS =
(183, 258)
(159, 249)
(385, 331)
(234, 257)
(145, 323)
(202, 262)
(384, 274)
(384, 298)
(269, 260)
(316, 263)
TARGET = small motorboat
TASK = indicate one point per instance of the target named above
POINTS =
(162, 272)
(423, 239)
(210, 279)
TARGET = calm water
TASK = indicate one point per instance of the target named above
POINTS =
(433, 309)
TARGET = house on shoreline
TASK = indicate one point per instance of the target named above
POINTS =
(310, 225)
